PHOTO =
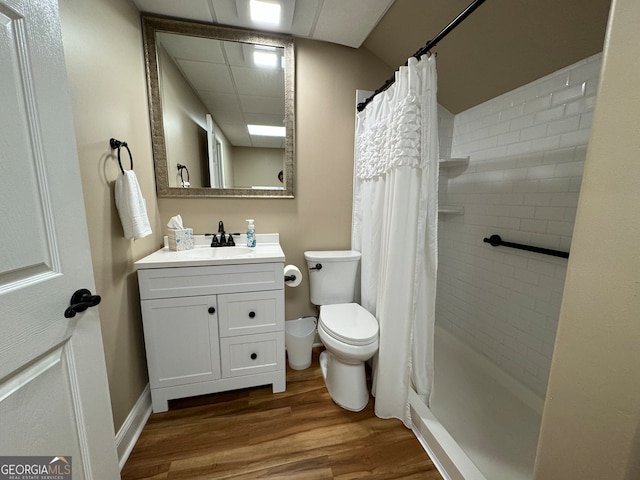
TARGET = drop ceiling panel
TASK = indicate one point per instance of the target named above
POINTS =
(218, 102)
(203, 76)
(189, 9)
(263, 119)
(192, 48)
(236, 53)
(348, 23)
(237, 134)
(304, 18)
(230, 117)
(269, 83)
(268, 142)
(259, 104)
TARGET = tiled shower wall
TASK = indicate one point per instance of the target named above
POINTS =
(527, 151)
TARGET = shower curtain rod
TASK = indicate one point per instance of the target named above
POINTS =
(430, 44)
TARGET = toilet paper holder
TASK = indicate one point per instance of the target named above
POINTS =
(292, 276)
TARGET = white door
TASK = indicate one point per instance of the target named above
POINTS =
(54, 398)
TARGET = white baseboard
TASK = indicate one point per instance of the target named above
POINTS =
(131, 429)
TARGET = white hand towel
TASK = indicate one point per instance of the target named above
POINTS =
(131, 206)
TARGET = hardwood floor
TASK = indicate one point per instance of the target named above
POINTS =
(298, 434)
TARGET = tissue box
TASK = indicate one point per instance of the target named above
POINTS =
(180, 239)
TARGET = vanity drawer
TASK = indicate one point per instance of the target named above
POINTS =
(251, 354)
(209, 280)
(250, 313)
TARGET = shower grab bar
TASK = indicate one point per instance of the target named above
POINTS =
(496, 241)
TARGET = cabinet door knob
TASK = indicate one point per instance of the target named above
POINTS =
(212, 310)
(254, 356)
(252, 314)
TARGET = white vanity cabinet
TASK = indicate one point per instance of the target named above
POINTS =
(212, 328)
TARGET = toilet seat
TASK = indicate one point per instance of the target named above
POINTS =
(349, 323)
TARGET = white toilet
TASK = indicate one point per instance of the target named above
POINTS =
(347, 330)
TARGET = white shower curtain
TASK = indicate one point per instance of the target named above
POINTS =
(395, 227)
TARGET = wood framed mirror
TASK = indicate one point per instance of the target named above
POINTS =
(221, 104)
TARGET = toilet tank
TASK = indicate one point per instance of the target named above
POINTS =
(336, 279)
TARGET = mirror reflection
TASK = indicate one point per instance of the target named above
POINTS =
(221, 102)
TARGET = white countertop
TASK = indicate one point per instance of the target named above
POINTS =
(267, 250)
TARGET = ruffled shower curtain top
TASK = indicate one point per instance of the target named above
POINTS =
(395, 228)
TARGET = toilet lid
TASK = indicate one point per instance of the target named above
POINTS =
(349, 323)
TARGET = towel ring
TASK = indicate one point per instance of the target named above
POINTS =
(117, 144)
(182, 168)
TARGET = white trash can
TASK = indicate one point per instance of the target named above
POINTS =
(298, 339)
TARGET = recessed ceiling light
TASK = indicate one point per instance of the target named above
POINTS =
(266, 130)
(265, 12)
(265, 59)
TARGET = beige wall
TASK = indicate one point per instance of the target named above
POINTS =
(103, 47)
(591, 421)
(184, 122)
(257, 166)
(102, 43)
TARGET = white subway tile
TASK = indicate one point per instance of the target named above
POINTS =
(519, 148)
(535, 132)
(560, 155)
(509, 223)
(564, 125)
(522, 122)
(586, 120)
(537, 199)
(512, 198)
(553, 83)
(546, 143)
(581, 137)
(568, 94)
(555, 185)
(525, 186)
(572, 169)
(550, 213)
(515, 174)
(538, 104)
(499, 128)
(590, 69)
(527, 152)
(591, 88)
(509, 138)
(560, 228)
(576, 107)
(568, 199)
(538, 226)
(575, 184)
(545, 241)
(546, 116)
(542, 171)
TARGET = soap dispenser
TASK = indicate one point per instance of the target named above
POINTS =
(251, 234)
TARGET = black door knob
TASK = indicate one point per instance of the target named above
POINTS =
(212, 310)
(254, 356)
(80, 301)
(252, 314)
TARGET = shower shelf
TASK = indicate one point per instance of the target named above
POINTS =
(451, 209)
(453, 162)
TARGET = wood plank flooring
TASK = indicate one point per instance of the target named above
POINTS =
(297, 434)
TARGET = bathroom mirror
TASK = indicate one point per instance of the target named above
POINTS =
(221, 103)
